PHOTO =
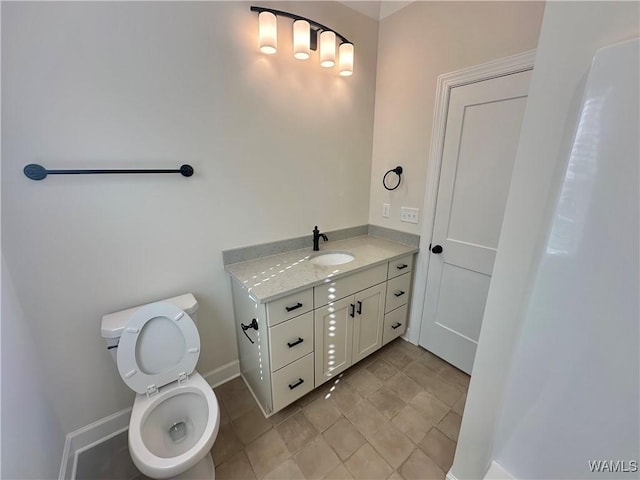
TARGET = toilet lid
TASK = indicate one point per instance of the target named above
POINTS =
(159, 345)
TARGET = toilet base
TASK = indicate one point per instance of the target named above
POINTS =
(202, 470)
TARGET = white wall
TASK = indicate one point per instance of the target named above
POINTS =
(32, 437)
(278, 146)
(571, 33)
(416, 45)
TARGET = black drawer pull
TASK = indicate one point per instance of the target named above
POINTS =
(353, 311)
(397, 325)
(399, 293)
(297, 384)
(295, 307)
(402, 266)
(297, 342)
(359, 307)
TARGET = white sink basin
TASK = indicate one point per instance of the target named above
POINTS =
(332, 258)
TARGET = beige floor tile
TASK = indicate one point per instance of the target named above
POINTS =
(225, 419)
(412, 423)
(340, 473)
(440, 448)
(420, 467)
(403, 386)
(382, 370)
(296, 431)
(392, 444)
(450, 425)
(239, 402)
(452, 374)
(236, 468)
(364, 382)
(458, 407)
(227, 444)
(446, 391)
(386, 402)
(344, 397)
(312, 396)
(344, 438)
(432, 361)
(267, 452)
(366, 464)
(288, 470)
(366, 418)
(251, 425)
(431, 408)
(410, 349)
(279, 417)
(322, 413)
(397, 358)
(420, 374)
(317, 459)
(234, 385)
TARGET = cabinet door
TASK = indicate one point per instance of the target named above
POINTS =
(333, 325)
(368, 321)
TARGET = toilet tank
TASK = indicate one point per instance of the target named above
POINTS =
(113, 323)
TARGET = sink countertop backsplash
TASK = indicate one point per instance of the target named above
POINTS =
(269, 278)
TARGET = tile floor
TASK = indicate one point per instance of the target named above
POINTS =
(395, 415)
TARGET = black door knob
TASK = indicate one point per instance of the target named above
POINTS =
(436, 249)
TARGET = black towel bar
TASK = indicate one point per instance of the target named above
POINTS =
(38, 172)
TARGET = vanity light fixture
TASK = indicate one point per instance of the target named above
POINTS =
(305, 39)
(268, 27)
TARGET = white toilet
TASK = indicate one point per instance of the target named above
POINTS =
(175, 415)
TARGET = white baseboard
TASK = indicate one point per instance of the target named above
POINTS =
(497, 472)
(222, 374)
(88, 436)
(102, 430)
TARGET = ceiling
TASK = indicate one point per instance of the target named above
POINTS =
(377, 9)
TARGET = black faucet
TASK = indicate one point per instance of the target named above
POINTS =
(316, 238)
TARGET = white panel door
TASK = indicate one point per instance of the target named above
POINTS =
(482, 131)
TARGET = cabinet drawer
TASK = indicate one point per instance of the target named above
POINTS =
(398, 292)
(345, 286)
(290, 306)
(400, 266)
(291, 340)
(292, 382)
(395, 324)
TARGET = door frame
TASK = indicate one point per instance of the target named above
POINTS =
(520, 62)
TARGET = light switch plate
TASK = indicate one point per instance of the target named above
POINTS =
(386, 210)
(409, 215)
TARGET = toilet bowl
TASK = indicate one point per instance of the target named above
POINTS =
(175, 415)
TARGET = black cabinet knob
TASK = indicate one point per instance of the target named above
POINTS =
(436, 249)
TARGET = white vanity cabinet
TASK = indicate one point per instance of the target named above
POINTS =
(397, 300)
(308, 337)
(350, 328)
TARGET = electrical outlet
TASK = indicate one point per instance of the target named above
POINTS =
(409, 215)
(385, 210)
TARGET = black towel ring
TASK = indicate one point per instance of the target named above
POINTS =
(397, 171)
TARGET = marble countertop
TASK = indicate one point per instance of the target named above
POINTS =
(269, 278)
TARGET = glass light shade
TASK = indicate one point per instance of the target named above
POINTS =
(301, 39)
(268, 29)
(327, 49)
(346, 59)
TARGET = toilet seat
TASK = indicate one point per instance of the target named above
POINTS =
(159, 345)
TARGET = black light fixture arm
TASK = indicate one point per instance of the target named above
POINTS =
(315, 26)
